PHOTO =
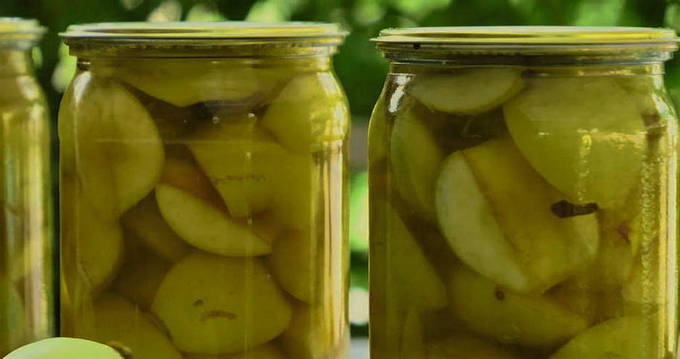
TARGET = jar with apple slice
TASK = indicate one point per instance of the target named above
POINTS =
(522, 185)
(203, 192)
(28, 294)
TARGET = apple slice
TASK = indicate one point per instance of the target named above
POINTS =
(467, 92)
(119, 151)
(496, 213)
(412, 337)
(308, 113)
(184, 82)
(460, 345)
(415, 158)
(12, 323)
(92, 243)
(314, 332)
(624, 338)
(146, 223)
(584, 135)
(119, 324)
(295, 263)
(140, 278)
(215, 305)
(486, 309)
(378, 133)
(205, 227)
(238, 158)
(266, 351)
(412, 280)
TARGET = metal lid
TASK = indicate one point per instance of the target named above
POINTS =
(16, 29)
(200, 39)
(526, 40)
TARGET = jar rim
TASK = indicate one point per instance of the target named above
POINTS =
(14, 28)
(527, 40)
(226, 38)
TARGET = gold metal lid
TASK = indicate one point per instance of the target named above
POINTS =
(526, 40)
(20, 30)
(202, 39)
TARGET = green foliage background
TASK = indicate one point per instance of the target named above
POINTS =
(359, 66)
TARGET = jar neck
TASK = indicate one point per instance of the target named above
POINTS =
(573, 69)
(15, 62)
(311, 63)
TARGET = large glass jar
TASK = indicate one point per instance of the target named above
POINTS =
(27, 277)
(523, 195)
(203, 187)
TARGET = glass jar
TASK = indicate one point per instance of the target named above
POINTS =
(203, 186)
(523, 195)
(27, 288)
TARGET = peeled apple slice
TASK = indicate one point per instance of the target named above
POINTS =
(146, 223)
(534, 321)
(119, 324)
(215, 305)
(584, 135)
(295, 263)
(412, 336)
(206, 227)
(467, 92)
(64, 348)
(377, 133)
(120, 154)
(238, 158)
(495, 212)
(313, 333)
(308, 112)
(465, 346)
(267, 351)
(412, 279)
(416, 159)
(184, 82)
(93, 242)
(11, 317)
(624, 338)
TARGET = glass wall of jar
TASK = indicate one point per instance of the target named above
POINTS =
(523, 195)
(203, 189)
(27, 287)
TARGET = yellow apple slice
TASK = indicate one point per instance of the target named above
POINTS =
(314, 332)
(584, 135)
(184, 82)
(467, 92)
(412, 280)
(215, 305)
(308, 113)
(12, 322)
(486, 309)
(92, 243)
(206, 227)
(495, 212)
(415, 158)
(120, 154)
(377, 133)
(147, 224)
(625, 338)
(238, 158)
(460, 345)
(119, 324)
(266, 351)
(140, 278)
(295, 263)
